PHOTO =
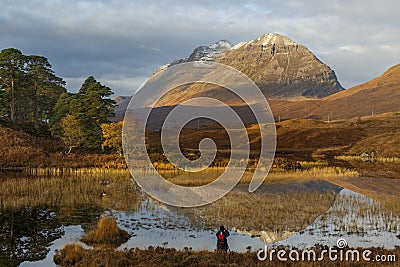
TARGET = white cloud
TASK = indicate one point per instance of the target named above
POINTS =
(353, 49)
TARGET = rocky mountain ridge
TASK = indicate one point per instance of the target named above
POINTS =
(282, 68)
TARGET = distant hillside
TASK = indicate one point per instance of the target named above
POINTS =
(122, 104)
(385, 84)
(310, 140)
(377, 96)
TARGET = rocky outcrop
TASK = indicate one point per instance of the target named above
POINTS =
(282, 68)
(202, 53)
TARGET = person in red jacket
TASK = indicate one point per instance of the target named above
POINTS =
(222, 242)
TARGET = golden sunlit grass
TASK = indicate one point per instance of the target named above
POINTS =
(352, 212)
(391, 203)
(58, 171)
(106, 234)
(273, 212)
(378, 159)
(112, 189)
(311, 164)
(314, 173)
(383, 190)
(70, 255)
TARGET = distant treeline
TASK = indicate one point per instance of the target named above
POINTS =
(33, 97)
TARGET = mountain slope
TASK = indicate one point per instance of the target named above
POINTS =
(388, 81)
(202, 53)
(380, 95)
(281, 68)
(122, 104)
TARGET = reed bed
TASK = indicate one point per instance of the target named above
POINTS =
(110, 189)
(70, 255)
(355, 213)
(378, 159)
(62, 171)
(312, 164)
(391, 203)
(273, 212)
(114, 189)
(306, 175)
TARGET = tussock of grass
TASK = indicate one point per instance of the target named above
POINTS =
(70, 255)
(106, 234)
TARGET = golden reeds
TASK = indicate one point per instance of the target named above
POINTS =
(110, 189)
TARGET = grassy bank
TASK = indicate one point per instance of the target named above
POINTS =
(74, 255)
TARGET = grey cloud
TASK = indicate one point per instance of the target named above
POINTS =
(123, 42)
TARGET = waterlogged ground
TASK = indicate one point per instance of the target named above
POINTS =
(71, 234)
(361, 221)
(31, 234)
(159, 225)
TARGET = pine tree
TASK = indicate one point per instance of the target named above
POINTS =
(90, 106)
(29, 89)
(46, 88)
(12, 63)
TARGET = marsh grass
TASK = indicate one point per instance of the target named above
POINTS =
(352, 212)
(305, 175)
(111, 189)
(312, 164)
(62, 171)
(273, 212)
(106, 234)
(391, 203)
(378, 159)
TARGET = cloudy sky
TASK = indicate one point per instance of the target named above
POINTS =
(122, 42)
